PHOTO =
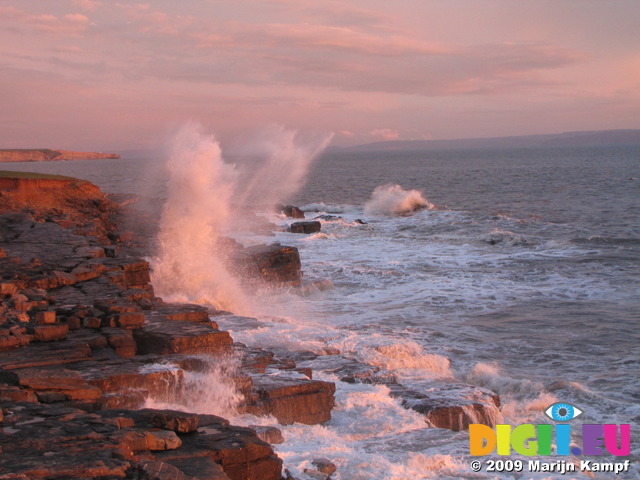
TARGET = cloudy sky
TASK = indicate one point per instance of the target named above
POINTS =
(91, 74)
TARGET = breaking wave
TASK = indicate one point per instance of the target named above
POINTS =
(395, 200)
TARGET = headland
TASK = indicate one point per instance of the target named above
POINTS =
(49, 155)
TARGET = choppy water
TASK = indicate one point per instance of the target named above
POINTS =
(524, 278)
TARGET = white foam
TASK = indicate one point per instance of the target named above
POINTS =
(212, 391)
(363, 415)
(394, 200)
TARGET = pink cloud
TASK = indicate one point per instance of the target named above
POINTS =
(67, 25)
(384, 134)
(89, 5)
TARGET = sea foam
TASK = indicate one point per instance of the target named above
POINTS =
(395, 200)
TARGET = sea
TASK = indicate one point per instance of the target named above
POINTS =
(516, 270)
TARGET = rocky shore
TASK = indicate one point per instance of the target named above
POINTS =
(85, 344)
(49, 155)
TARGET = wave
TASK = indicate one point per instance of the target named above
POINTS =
(505, 237)
(600, 240)
(395, 200)
(323, 207)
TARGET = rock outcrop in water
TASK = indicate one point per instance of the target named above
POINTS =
(85, 344)
(82, 333)
(312, 226)
(291, 211)
(274, 264)
(48, 155)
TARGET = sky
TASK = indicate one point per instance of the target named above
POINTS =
(100, 75)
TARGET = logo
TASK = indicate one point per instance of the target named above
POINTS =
(530, 440)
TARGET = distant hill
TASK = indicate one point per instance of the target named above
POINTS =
(48, 155)
(568, 139)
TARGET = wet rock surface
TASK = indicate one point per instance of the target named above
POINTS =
(452, 405)
(64, 442)
(291, 211)
(275, 264)
(85, 343)
(291, 397)
(311, 226)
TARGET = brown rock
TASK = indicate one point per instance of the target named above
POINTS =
(50, 333)
(44, 378)
(8, 288)
(453, 405)
(128, 320)
(292, 211)
(292, 398)
(200, 468)
(121, 444)
(155, 470)
(186, 312)
(13, 393)
(8, 343)
(179, 422)
(46, 317)
(324, 465)
(74, 322)
(162, 440)
(43, 354)
(238, 450)
(273, 263)
(311, 226)
(271, 435)
(121, 341)
(161, 336)
(91, 322)
(126, 383)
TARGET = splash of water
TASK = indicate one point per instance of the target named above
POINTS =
(211, 391)
(408, 355)
(395, 200)
(194, 256)
(281, 160)
(189, 265)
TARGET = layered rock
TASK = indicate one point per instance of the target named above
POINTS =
(158, 444)
(291, 398)
(80, 327)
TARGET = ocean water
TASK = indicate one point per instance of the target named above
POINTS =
(522, 275)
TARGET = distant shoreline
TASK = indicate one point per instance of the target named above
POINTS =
(601, 138)
(50, 155)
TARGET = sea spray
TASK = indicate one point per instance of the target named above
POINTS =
(205, 199)
(209, 390)
(395, 200)
(189, 265)
(522, 400)
(278, 163)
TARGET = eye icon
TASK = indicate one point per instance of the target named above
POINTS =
(562, 412)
